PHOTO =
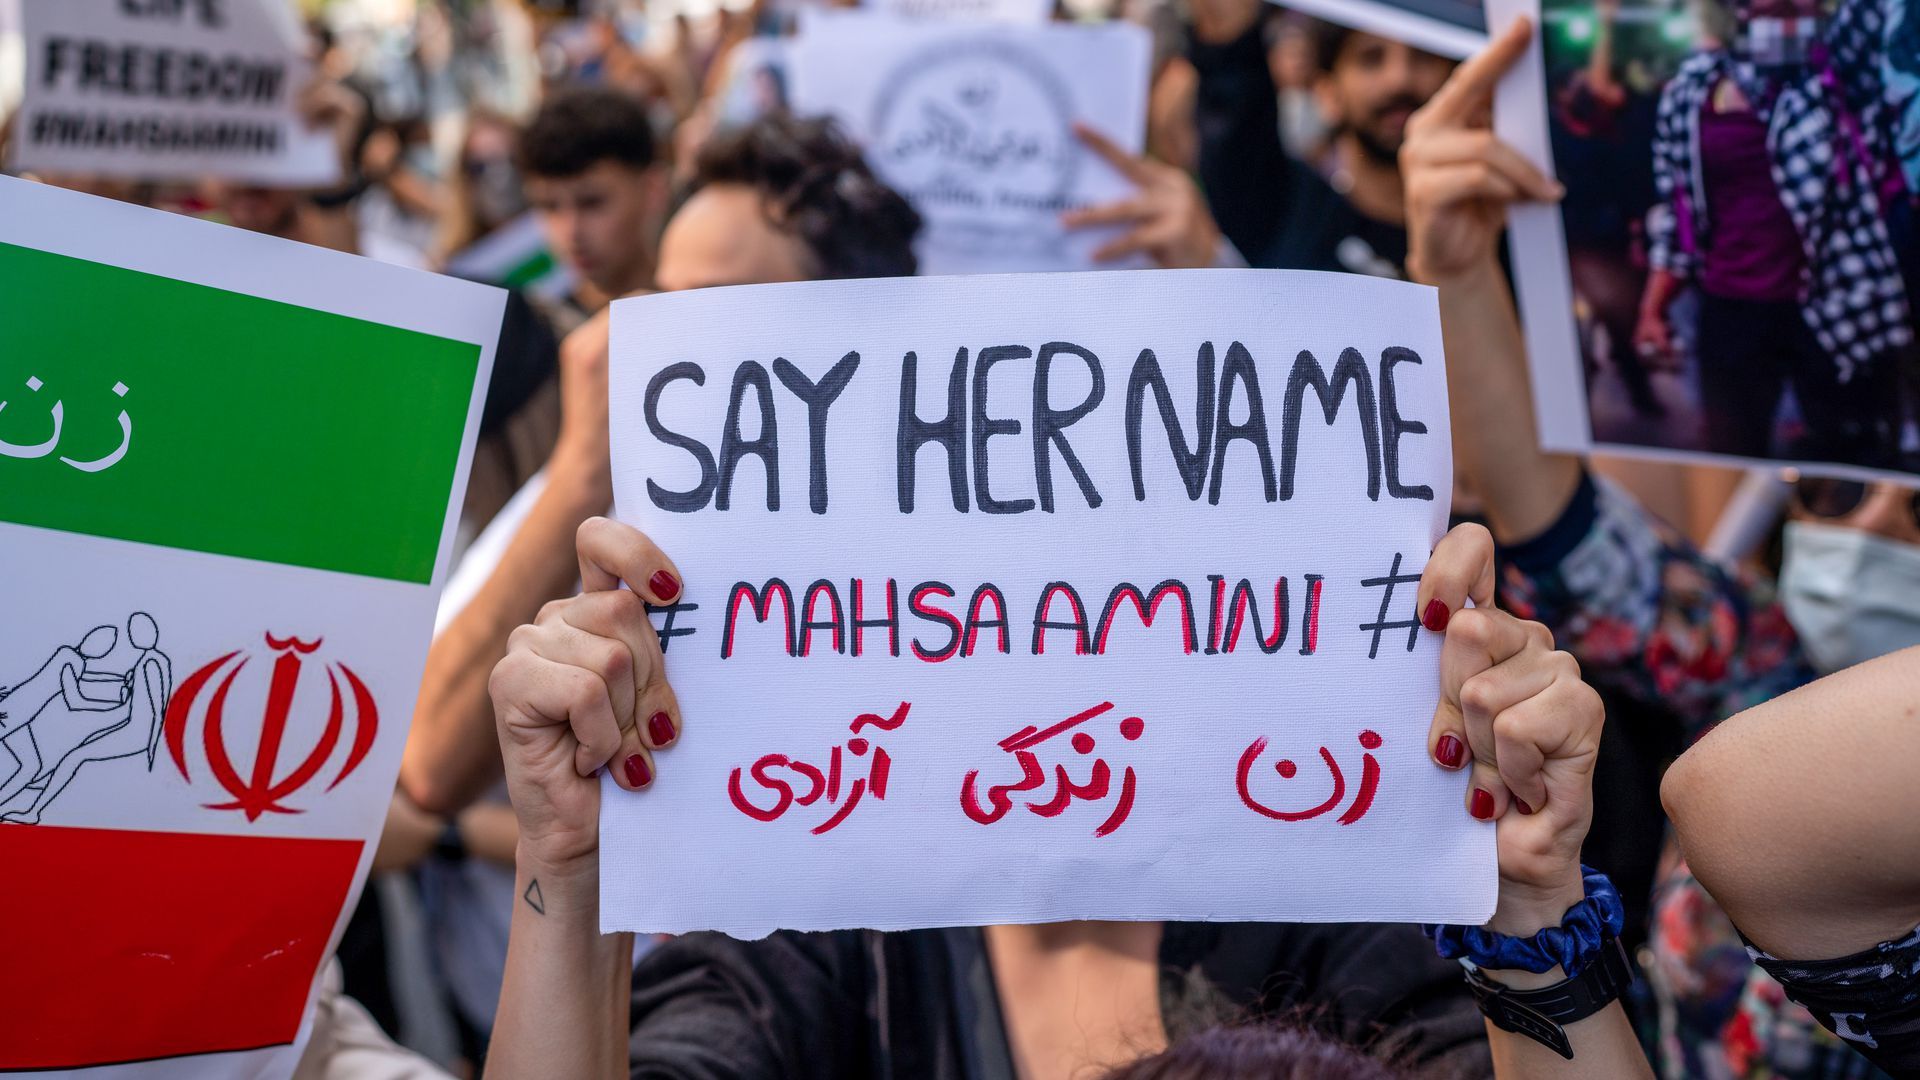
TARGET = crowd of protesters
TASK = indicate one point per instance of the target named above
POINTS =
(1699, 766)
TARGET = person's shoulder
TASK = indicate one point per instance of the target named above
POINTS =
(1316, 219)
(786, 955)
(1376, 985)
(789, 1004)
(1307, 959)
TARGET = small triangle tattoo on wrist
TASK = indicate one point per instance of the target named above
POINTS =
(533, 897)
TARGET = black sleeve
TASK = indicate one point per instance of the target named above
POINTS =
(527, 357)
(1375, 985)
(708, 1007)
(1243, 169)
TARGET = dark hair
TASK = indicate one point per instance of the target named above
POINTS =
(1257, 1051)
(817, 187)
(1328, 40)
(580, 126)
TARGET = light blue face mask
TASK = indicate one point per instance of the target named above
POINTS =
(1851, 595)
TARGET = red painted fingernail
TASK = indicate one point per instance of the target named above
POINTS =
(639, 775)
(1522, 804)
(1482, 805)
(1448, 751)
(664, 585)
(660, 729)
(1436, 616)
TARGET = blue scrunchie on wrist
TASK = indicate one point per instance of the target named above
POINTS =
(1573, 944)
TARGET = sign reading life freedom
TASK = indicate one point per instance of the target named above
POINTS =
(1039, 597)
(168, 89)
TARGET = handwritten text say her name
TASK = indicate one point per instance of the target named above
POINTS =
(769, 399)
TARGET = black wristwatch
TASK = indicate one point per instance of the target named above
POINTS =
(1542, 1015)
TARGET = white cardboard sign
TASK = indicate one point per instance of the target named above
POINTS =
(230, 469)
(1452, 28)
(1036, 597)
(168, 91)
(973, 123)
(1021, 12)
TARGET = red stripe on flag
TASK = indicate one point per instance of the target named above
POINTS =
(124, 946)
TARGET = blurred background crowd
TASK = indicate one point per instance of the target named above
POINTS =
(543, 145)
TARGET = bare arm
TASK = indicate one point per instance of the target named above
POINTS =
(451, 755)
(77, 700)
(490, 832)
(407, 835)
(564, 1001)
(1600, 63)
(1460, 180)
(1604, 1044)
(569, 697)
(1527, 730)
(1801, 815)
(1651, 333)
(1523, 488)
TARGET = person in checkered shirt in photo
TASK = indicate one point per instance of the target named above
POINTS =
(1773, 163)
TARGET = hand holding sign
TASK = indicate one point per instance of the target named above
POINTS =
(328, 105)
(1052, 573)
(1517, 710)
(584, 687)
(1459, 177)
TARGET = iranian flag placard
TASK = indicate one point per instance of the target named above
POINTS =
(229, 471)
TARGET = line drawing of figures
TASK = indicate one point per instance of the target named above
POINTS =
(71, 712)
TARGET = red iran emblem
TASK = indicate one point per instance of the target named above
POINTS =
(263, 792)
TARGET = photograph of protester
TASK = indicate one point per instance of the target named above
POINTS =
(1739, 224)
(1724, 885)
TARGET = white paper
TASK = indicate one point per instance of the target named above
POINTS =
(973, 123)
(1021, 12)
(1538, 243)
(1391, 843)
(60, 584)
(113, 89)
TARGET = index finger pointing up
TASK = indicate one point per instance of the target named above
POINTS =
(611, 552)
(1470, 87)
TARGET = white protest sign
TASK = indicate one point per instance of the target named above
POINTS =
(1023, 12)
(1452, 28)
(168, 90)
(230, 469)
(974, 125)
(1036, 597)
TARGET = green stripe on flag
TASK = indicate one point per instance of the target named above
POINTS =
(529, 270)
(258, 429)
